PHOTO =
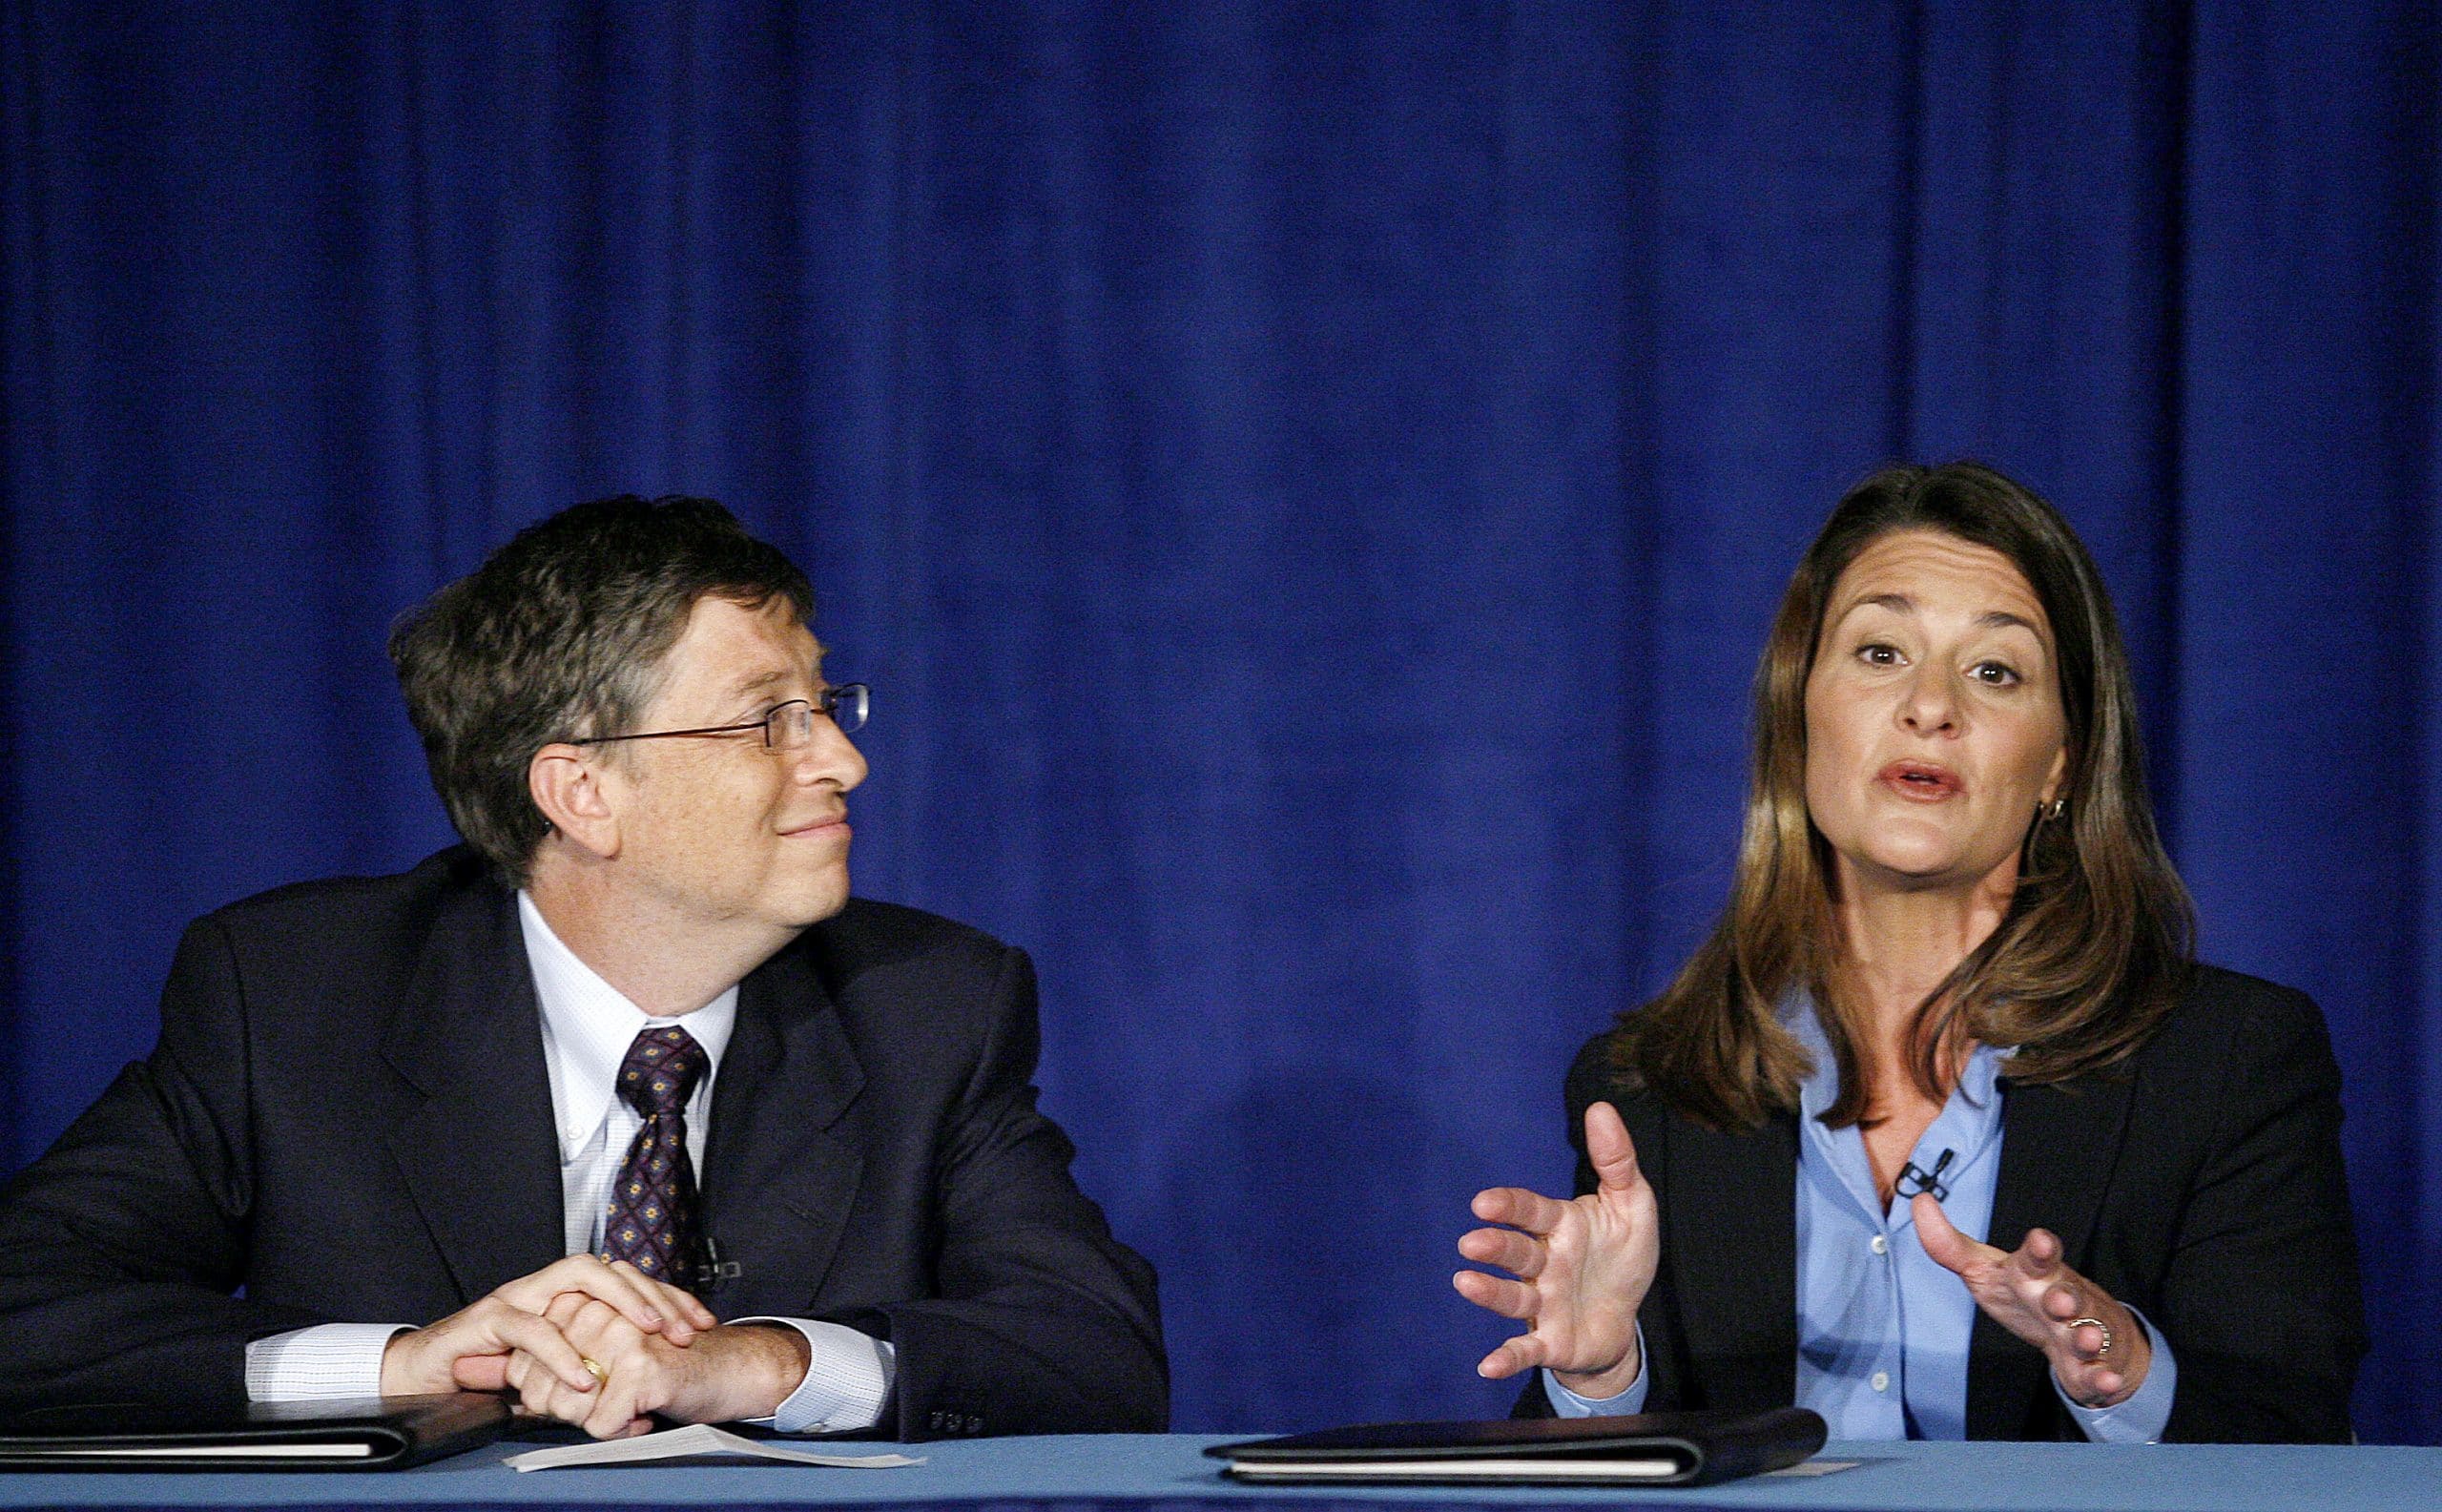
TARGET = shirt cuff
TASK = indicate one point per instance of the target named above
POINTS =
(2147, 1410)
(329, 1359)
(1567, 1403)
(847, 1379)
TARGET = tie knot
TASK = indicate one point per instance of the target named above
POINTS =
(662, 1067)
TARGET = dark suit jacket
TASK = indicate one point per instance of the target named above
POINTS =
(348, 1116)
(2203, 1188)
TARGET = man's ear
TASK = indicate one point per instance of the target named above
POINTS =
(567, 786)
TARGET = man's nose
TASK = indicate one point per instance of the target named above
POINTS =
(829, 756)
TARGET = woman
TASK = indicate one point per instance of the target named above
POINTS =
(1943, 1108)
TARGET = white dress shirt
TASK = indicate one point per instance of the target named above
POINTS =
(588, 1026)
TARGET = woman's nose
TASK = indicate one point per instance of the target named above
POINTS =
(1929, 705)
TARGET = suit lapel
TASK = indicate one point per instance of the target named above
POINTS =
(479, 1154)
(779, 1176)
(1733, 1251)
(2057, 1148)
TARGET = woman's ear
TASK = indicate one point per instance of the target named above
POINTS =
(2055, 782)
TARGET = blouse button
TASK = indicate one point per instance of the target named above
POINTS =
(1881, 1246)
(1882, 1380)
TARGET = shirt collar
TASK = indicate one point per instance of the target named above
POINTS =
(1967, 1129)
(1977, 1085)
(588, 1024)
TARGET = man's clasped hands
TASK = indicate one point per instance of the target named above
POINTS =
(600, 1344)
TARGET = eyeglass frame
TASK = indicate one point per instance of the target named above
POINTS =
(825, 703)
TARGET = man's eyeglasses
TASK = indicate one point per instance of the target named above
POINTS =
(786, 728)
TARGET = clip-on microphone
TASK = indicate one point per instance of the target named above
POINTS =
(1925, 1180)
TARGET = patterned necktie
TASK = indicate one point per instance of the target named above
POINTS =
(654, 1220)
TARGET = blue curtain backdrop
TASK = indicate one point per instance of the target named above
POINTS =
(1306, 484)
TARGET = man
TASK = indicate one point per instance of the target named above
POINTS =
(444, 1128)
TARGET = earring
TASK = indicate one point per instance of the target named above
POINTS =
(2051, 812)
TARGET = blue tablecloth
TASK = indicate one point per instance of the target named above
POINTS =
(1117, 1473)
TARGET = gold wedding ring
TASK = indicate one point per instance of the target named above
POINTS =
(2098, 1324)
(593, 1368)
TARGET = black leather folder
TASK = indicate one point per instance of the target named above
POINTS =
(1663, 1448)
(383, 1433)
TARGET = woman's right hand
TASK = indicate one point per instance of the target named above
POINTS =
(1583, 1268)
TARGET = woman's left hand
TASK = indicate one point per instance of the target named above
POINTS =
(2030, 1293)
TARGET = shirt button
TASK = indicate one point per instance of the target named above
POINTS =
(1881, 1380)
(1881, 1246)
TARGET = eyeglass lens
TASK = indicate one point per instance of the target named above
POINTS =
(845, 704)
(791, 725)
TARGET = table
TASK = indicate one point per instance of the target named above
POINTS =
(1168, 1473)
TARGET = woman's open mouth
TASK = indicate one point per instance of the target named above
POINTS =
(1921, 780)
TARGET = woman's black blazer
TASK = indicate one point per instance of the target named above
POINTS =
(2202, 1184)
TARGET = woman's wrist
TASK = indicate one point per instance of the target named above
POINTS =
(2131, 1354)
(1605, 1384)
(2130, 1342)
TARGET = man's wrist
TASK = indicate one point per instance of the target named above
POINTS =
(779, 1357)
(320, 1360)
(397, 1366)
(847, 1378)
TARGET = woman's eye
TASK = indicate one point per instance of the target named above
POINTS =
(1994, 673)
(1876, 653)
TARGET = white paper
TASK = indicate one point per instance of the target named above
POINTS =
(696, 1439)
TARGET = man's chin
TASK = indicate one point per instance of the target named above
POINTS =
(818, 904)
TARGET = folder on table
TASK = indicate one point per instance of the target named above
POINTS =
(383, 1433)
(1673, 1448)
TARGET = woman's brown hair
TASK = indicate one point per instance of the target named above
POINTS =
(2095, 948)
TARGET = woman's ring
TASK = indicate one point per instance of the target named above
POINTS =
(2100, 1326)
(593, 1367)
